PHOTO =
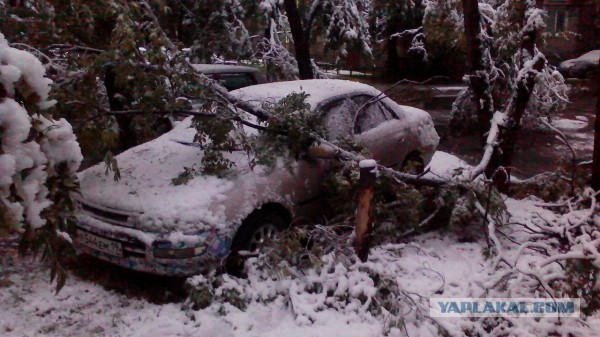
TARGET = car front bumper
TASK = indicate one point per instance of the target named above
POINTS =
(137, 249)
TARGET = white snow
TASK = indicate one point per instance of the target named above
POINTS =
(447, 166)
(30, 307)
(436, 264)
(146, 182)
(21, 63)
(35, 159)
(367, 163)
(570, 124)
(318, 90)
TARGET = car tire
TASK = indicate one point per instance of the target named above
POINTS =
(259, 227)
(413, 163)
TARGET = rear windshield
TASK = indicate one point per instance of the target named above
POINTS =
(234, 81)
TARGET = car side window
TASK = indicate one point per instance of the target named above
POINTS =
(370, 115)
(339, 118)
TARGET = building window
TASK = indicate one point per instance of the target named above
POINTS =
(560, 25)
(557, 21)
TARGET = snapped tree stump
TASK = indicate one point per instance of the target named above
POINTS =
(364, 213)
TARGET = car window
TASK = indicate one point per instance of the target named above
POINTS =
(339, 118)
(234, 81)
(370, 115)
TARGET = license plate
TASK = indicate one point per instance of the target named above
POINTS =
(100, 244)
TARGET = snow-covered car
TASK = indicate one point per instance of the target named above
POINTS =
(581, 67)
(146, 222)
(232, 77)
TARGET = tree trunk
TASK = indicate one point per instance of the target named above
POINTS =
(499, 168)
(116, 95)
(478, 79)
(301, 43)
(596, 158)
(392, 63)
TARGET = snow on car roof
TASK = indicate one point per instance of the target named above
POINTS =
(593, 55)
(590, 57)
(318, 90)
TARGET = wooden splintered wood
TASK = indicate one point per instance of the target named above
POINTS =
(364, 213)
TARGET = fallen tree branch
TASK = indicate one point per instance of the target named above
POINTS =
(264, 115)
(69, 47)
(174, 112)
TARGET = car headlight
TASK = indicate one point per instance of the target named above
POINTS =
(164, 251)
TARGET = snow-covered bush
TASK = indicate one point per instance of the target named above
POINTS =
(38, 155)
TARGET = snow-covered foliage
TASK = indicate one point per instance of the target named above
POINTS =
(34, 147)
(312, 275)
(395, 18)
(547, 250)
(341, 23)
(223, 32)
(280, 63)
(316, 280)
(346, 24)
(442, 25)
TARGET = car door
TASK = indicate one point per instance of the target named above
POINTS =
(310, 172)
(381, 131)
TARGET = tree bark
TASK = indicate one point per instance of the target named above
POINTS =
(301, 40)
(508, 133)
(478, 79)
(364, 213)
(596, 157)
(15, 3)
(127, 137)
(392, 63)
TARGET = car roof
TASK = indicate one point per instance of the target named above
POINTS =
(320, 91)
(223, 69)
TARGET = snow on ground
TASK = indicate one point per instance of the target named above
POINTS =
(446, 165)
(29, 307)
(570, 124)
(433, 264)
(582, 141)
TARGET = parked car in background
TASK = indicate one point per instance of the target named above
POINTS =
(582, 67)
(232, 77)
(147, 222)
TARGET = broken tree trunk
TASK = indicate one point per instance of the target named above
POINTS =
(364, 213)
(499, 167)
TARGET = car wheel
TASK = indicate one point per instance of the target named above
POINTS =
(413, 164)
(259, 229)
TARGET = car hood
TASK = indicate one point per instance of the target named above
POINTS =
(146, 185)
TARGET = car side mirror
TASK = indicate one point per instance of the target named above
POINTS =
(322, 151)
